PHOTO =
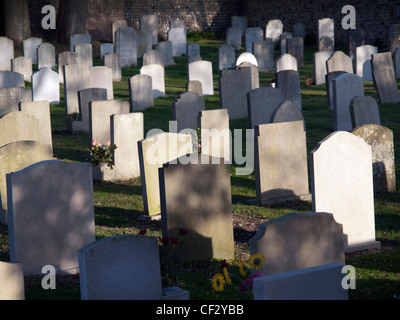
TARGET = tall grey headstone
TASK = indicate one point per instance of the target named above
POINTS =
(46, 55)
(264, 53)
(177, 36)
(329, 86)
(101, 77)
(30, 47)
(239, 22)
(226, 57)
(252, 35)
(84, 53)
(141, 92)
(319, 66)
(165, 47)
(185, 110)
(126, 46)
(6, 53)
(234, 37)
(288, 81)
(113, 61)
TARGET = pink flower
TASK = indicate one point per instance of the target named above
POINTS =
(116, 146)
(248, 283)
(94, 142)
(108, 143)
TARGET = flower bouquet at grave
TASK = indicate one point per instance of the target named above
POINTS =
(102, 154)
(248, 273)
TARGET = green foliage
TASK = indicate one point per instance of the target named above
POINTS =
(102, 154)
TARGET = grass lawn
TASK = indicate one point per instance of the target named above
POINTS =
(119, 204)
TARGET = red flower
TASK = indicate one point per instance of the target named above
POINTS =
(143, 231)
(224, 264)
(182, 231)
(164, 240)
(175, 240)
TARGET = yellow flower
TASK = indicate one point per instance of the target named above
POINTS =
(226, 275)
(256, 261)
(243, 269)
(218, 282)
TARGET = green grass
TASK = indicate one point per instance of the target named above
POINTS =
(117, 205)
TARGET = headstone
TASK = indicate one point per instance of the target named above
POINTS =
(46, 55)
(295, 47)
(209, 223)
(346, 189)
(141, 92)
(177, 23)
(12, 285)
(234, 37)
(165, 47)
(192, 50)
(226, 57)
(113, 62)
(51, 215)
(339, 62)
(316, 283)
(156, 72)
(396, 61)
(63, 59)
(30, 47)
(239, 22)
(299, 240)
(356, 39)
(286, 112)
(281, 162)
(329, 86)
(177, 36)
(76, 77)
(381, 141)
(23, 65)
(384, 78)
(117, 261)
(252, 35)
(264, 54)
(150, 23)
(115, 25)
(11, 79)
(261, 103)
(6, 53)
(195, 86)
(126, 46)
(11, 97)
(144, 42)
(101, 77)
(46, 86)
(154, 151)
(152, 57)
(274, 29)
(286, 62)
(246, 57)
(288, 81)
(394, 37)
(299, 30)
(202, 71)
(319, 66)
(99, 118)
(106, 48)
(79, 39)
(364, 110)
(283, 41)
(185, 110)
(363, 56)
(326, 44)
(326, 27)
(85, 53)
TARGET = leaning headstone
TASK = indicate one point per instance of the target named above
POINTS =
(203, 72)
(11, 97)
(281, 162)
(394, 37)
(85, 53)
(226, 57)
(363, 55)
(264, 54)
(113, 62)
(30, 47)
(185, 110)
(150, 23)
(11, 79)
(46, 86)
(345, 88)
(299, 30)
(126, 46)
(46, 55)
(6, 53)
(273, 30)
(326, 28)
(288, 81)
(63, 59)
(319, 66)
(23, 65)
(299, 240)
(144, 42)
(234, 37)
(106, 48)
(152, 57)
(49, 202)
(101, 77)
(283, 40)
(12, 286)
(329, 86)
(346, 189)
(339, 62)
(209, 223)
(117, 261)
(252, 35)
(154, 151)
(364, 110)
(286, 112)
(76, 77)
(165, 47)
(156, 72)
(78, 39)
(177, 36)
(141, 92)
(286, 62)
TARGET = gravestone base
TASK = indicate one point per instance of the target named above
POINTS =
(363, 246)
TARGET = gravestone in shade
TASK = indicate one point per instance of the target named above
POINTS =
(149, 22)
(299, 30)
(106, 48)
(346, 189)
(156, 72)
(345, 88)
(396, 61)
(109, 269)
(261, 103)
(126, 46)
(394, 37)
(84, 53)
(381, 141)
(115, 25)
(113, 61)
(323, 282)
(326, 44)
(185, 110)
(12, 285)
(177, 36)
(326, 27)
(30, 47)
(16, 156)
(319, 66)
(226, 57)
(246, 57)
(264, 54)
(281, 162)
(234, 37)
(85, 97)
(252, 35)
(273, 30)
(46, 55)
(141, 92)
(286, 62)
(183, 189)
(99, 118)
(295, 47)
(144, 42)
(356, 38)
(285, 112)
(329, 86)
(192, 50)
(11, 97)
(76, 77)
(6, 53)
(339, 62)
(23, 65)
(63, 59)
(384, 78)
(239, 22)
(363, 55)
(11, 79)
(79, 39)
(51, 215)
(215, 134)
(154, 151)
(364, 110)
(101, 77)
(165, 47)
(299, 240)
(288, 81)
(46, 86)
(283, 40)
(203, 72)
(152, 57)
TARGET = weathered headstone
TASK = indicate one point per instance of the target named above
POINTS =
(12, 285)
(342, 184)
(281, 162)
(264, 54)
(84, 53)
(234, 37)
(46, 86)
(23, 65)
(79, 39)
(319, 66)
(326, 44)
(149, 22)
(76, 77)
(288, 81)
(30, 47)
(185, 110)
(364, 110)
(63, 59)
(101, 77)
(226, 57)
(46, 56)
(329, 86)
(6, 53)
(273, 30)
(113, 61)
(363, 55)
(11, 79)
(51, 215)
(177, 36)
(252, 35)
(152, 57)
(156, 72)
(339, 62)
(326, 27)
(286, 62)
(126, 46)
(11, 97)
(141, 92)
(165, 47)
(195, 86)
(202, 71)
(285, 112)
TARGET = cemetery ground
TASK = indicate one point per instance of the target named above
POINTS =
(118, 205)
